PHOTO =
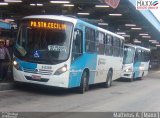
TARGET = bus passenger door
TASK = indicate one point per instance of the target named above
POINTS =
(77, 44)
(76, 60)
(137, 63)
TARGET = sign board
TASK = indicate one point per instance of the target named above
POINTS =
(48, 25)
(113, 3)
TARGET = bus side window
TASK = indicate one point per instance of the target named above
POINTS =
(146, 56)
(89, 40)
(138, 55)
(77, 44)
(121, 48)
(143, 56)
(100, 37)
(108, 45)
(116, 47)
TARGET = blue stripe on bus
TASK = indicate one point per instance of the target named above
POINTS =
(136, 69)
(85, 61)
(27, 65)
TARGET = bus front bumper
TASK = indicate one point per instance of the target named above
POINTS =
(49, 80)
(127, 75)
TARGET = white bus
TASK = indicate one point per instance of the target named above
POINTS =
(66, 52)
(136, 62)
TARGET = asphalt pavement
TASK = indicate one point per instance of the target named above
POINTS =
(140, 95)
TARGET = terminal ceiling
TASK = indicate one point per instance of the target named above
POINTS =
(116, 24)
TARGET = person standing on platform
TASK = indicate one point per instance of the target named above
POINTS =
(3, 54)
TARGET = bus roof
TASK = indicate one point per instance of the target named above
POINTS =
(136, 46)
(100, 29)
(73, 20)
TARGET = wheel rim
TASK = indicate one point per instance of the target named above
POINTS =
(109, 80)
(84, 82)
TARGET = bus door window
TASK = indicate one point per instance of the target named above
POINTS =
(77, 44)
(143, 56)
(121, 48)
(89, 40)
(147, 57)
(100, 37)
(138, 55)
(116, 47)
(108, 45)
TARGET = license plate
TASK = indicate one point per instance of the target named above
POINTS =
(36, 77)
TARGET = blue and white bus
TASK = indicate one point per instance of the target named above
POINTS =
(66, 52)
(136, 62)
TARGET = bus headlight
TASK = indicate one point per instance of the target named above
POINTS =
(128, 69)
(141, 68)
(16, 65)
(61, 70)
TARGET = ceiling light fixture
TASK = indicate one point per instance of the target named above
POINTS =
(136, 28)
(143, 34)
(146, 37)
(12, 1)
(130, 25)
(115, 14)
(83, 13)
(155, 42)
(125, 35)
(137, 41)
(60, 2)
(38, 4)
(32, 4)
(101, 6)
(121, 33)
(152, 40)
(68, 5)
(3, 3)
(102, 23)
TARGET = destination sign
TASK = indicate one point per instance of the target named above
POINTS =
(48, 25)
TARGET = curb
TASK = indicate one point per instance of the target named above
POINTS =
(6, 86)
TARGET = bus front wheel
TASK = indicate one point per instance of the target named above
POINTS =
(84, 83)
(141, 76)
(133, 76)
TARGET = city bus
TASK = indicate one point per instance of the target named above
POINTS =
(67, 52)
(136, 62)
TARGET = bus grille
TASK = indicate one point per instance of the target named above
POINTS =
(40, 71)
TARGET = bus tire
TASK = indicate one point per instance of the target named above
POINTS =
(84, 83)
(108, 82)
(141, 76)
(132, 79)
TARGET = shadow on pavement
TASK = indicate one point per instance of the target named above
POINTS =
(48, 90)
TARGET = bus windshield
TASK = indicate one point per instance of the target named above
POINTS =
(43, 41)
(129, 53)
